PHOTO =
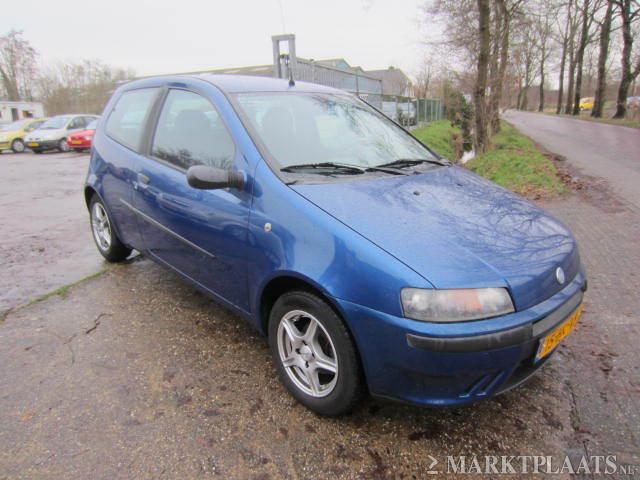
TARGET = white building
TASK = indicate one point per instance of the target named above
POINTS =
(13, 111)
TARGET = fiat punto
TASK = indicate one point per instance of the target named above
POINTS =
(369, 262)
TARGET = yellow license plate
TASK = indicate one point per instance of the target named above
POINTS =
(76, 142)
(551, 341)
(33, 144)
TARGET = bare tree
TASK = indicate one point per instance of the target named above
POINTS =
(589, 8)
(78, 87)
(17, 65)
(605, 37)
(629, 13)
(484, 35)
(547, 10)
(563, 39)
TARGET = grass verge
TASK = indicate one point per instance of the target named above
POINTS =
(514, 161)
(439, 136)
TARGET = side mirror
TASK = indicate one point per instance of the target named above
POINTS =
(210, 178)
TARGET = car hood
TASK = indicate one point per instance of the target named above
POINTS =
(457, 230)
(47, 134)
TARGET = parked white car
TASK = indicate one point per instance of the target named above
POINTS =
(52, 134)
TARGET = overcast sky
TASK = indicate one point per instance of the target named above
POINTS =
(166, 36)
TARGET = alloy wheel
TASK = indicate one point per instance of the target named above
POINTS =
(307, 353)
(63, 145)
(101, 227)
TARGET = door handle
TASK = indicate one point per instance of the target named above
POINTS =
(142, 178)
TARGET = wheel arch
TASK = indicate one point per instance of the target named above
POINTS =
(286, 282)
(278, 285)
(89, 192)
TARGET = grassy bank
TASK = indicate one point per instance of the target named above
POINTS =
(440, 137)
(514, 161)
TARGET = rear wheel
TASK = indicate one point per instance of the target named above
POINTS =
(314, 354)
(63, 146)
(106, 239)
(17, 146)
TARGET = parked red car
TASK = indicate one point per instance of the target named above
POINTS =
(83, 139)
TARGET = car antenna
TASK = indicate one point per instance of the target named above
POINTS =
(285, 57)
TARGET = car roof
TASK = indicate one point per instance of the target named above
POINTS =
(231, 83)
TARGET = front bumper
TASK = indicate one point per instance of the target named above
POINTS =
(455, 364)
(5, 145)
(42, 144)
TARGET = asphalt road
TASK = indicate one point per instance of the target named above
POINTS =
(135, 374)
(46, 241)
(600, 150)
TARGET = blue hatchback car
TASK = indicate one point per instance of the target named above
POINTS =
(371, 263)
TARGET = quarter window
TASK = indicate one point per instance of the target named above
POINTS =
(127, 119)
(190, 132)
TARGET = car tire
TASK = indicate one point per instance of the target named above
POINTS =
(17, 145)
(103, 233)
(304, 359)
(63, 146)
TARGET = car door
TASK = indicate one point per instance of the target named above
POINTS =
(117, 149)
(200, 233)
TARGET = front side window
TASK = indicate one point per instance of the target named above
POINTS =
(127, 119)
(190, 132)
(311, 128)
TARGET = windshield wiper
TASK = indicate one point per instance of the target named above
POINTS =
(409, 162)
(323, 166)
(340, 166)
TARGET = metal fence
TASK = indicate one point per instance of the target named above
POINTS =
(411, 111)
(366, 87)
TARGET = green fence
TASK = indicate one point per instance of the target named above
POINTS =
(411, 111)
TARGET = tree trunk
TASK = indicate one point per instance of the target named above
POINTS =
(492, 108)
(570, 78)
(627, 75)
(504, 58)
(563, 60)
(484, 10)
(584, 37)
(561, 77)
(541, 103)
(605, 36)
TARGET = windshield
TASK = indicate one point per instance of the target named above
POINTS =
(310, 128)
(55, 123)
(19, 125)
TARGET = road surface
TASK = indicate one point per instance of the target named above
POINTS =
(600, 150)
(46, 240)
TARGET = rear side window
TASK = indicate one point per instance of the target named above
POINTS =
(127, 119)
(190, 132)
(77, 122)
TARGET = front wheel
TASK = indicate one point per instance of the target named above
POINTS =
(17, 146)
(63, 146)
(314, 354)
(107, 241)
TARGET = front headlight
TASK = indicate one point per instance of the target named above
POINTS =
(457, 305)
